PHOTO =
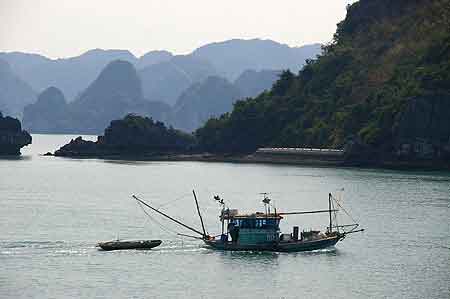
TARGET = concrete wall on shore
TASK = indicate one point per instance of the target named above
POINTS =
(313, 153)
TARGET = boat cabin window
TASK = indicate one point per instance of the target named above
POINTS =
(257, 223)
(270, 223)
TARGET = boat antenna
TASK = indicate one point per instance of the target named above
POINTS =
(222, 213)
(219, 200)
(266, 201)
(199, 214)
(167, 216)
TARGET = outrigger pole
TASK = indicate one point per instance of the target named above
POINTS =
(306, 212)
(167, 216)
(199, 215)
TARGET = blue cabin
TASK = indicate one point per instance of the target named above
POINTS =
(254, 228)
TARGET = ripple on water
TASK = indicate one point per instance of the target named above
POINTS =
(44, 248)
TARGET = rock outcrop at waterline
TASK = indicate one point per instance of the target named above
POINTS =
(12, 137)
(131, 136)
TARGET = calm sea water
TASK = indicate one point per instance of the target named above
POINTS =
(53, 211)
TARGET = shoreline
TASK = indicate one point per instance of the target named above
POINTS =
(253, 159)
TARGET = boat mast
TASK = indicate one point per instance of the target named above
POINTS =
(223, 220)
(329, 210)
(222, 213)
(199, 215)
(167, 216)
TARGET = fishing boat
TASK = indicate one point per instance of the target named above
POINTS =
(131, 244)
(260, 231)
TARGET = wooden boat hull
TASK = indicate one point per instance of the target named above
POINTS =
(289, 246)
(307, 245)
(124, 245)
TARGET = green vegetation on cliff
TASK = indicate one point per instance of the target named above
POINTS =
(384, 81)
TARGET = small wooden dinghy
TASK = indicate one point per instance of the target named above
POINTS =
(131, 244)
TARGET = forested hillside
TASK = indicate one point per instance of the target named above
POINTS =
(383, 84)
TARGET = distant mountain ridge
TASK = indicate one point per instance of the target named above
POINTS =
(15, 94)
(165, 81)
(228, 59)
(118, 91)
(208, 81)
(48, 114)
(212, 97)
(114, 93)
(71, 75)
(217, 95)
(251, 83)
(237, 55)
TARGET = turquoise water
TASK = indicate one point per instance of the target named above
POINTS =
(54, 210)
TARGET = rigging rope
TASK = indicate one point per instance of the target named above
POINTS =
(172, 201)
(345, 211)
(167, 230)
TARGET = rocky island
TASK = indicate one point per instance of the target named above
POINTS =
(132, 136)
(12, 137)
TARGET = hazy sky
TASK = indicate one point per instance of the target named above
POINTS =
(61, 28)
